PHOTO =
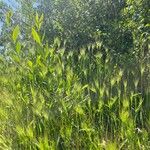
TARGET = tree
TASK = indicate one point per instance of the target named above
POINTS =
(82, 22)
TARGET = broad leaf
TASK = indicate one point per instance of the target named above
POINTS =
(15, 33)
(36, 36)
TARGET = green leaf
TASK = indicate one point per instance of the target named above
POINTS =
(147, 25)
(85, 86)
(37, 18)
(79, 110)
(18, 47)
(16, 59)
(36, 36)
(30, 64)
(93, 89)
(41, 18)
(8, 17)
(15, 33)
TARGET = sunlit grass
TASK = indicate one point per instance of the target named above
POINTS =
(54, 99)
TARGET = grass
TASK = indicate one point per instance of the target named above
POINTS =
(56, 99)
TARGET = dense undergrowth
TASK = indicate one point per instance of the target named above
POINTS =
(82, 99)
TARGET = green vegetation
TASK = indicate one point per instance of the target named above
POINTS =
(89, 93)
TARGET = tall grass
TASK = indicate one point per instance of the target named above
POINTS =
(51, 98)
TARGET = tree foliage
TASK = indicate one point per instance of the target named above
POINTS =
(83, 22)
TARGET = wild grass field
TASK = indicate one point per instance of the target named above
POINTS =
(55, 98)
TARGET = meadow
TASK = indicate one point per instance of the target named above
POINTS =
(54, 97)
